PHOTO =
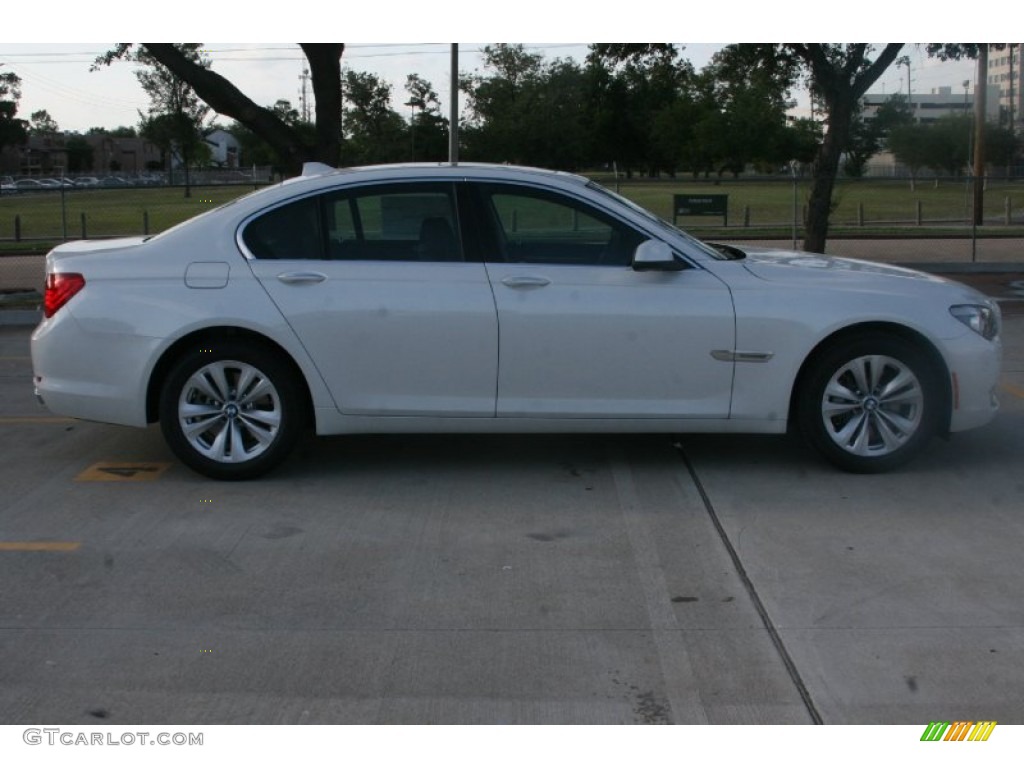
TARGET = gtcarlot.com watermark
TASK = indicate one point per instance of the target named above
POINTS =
(59, 736)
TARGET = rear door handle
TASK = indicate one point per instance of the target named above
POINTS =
(295, 278)
(525, 281)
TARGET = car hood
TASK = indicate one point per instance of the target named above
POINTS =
(770, 264)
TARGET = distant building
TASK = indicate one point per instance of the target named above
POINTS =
(1004, 74)
(40, 156)
(122, 155)
(943, 101)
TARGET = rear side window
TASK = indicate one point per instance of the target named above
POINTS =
(290, 232)
(393, 222)
(397, 222)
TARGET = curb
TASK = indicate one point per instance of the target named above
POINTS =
(20, 316)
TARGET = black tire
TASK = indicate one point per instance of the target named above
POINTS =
(244, 409)
(870, 404)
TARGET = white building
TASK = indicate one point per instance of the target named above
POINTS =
(1004, 74)
(224, 148)
(943, 101)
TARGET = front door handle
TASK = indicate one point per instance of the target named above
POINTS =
(294, 278)
(525, 281)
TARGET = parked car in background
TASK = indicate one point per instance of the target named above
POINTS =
(86, 181)
(437, 298)
(29, 185)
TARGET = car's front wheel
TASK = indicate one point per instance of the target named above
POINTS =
(230, 411)
(870, 404)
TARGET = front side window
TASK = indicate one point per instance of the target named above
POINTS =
(538, 227)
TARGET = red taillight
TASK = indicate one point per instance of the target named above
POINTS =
(60, 287)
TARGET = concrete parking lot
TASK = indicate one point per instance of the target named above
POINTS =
(544, 579)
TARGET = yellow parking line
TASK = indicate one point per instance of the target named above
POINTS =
(1015, 391)
(39, 546)
(120, 471)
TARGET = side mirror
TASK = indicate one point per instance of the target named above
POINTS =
(656, 256)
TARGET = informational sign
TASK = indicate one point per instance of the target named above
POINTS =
(700, 205)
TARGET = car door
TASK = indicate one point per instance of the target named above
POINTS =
(582, 334)
(375, 283)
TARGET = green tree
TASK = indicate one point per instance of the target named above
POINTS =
(946, 143)
(121, 132)
(42, 124)
(428, 129)
(752, 97)
(374, 132)
(496, 103)
(255, 150)
(174, 121)
(840, 75)
(634, 87)
(909, 145)
(893, 113)
(13, 130)
(862, 143)
(291, 144)
(80, 154)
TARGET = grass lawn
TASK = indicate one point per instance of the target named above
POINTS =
(108, 212)
(884, 203)
(757, 208)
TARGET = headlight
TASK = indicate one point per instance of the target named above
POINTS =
(983, 319)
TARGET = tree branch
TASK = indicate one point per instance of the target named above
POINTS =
(226, 99)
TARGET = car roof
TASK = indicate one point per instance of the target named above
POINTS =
(435, 170)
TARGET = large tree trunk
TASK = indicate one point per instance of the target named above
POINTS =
(325, 70)
(841, 80)
(225, 98)
(826, 166)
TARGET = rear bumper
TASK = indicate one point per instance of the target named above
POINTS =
(92, 376)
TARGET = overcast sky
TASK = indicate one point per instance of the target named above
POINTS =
(56, 74)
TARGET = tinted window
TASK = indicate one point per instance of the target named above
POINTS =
(398, 222)
(289, 232)
(544, 228)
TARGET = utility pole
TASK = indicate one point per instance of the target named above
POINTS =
(303, 98)
(1013, 87)
(905, 61)
(453, 114)
(980, 92)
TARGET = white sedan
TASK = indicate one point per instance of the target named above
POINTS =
(478, 298)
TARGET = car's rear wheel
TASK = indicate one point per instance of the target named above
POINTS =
(230, 411)
(870, 404)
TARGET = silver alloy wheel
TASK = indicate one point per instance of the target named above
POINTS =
(872, 405)
(229, 411)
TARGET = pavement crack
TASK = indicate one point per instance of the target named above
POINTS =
(762, 612)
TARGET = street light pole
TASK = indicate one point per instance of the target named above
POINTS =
(453, 114)
(980, 96)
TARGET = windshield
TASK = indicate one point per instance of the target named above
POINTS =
(666, 226)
